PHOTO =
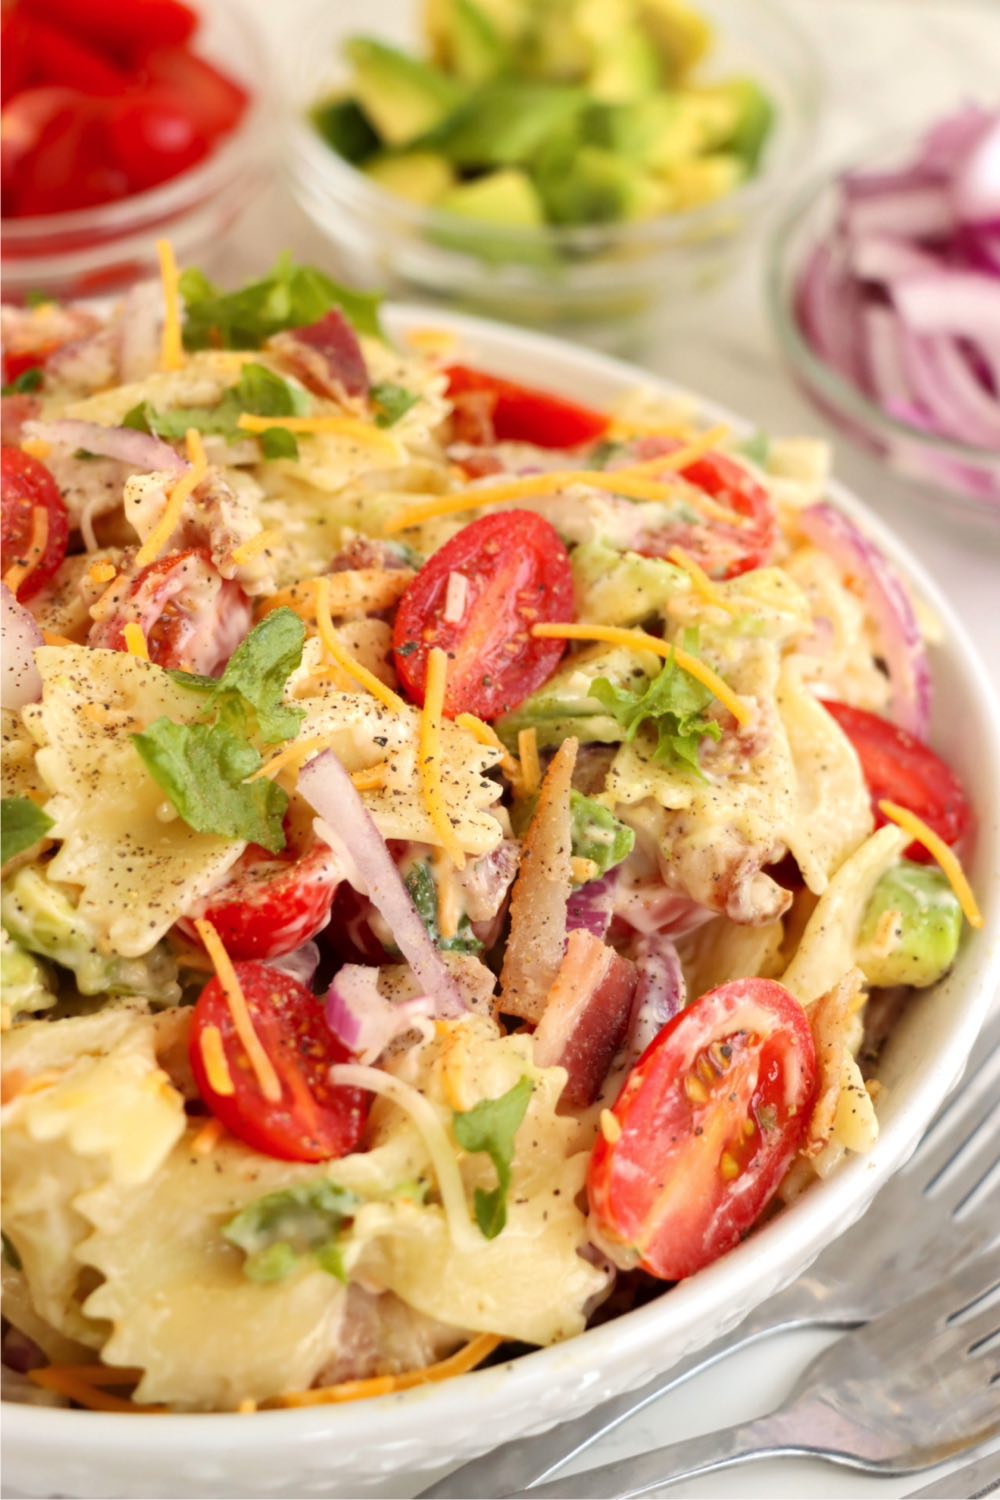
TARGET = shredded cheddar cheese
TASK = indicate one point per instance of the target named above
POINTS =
(465, 1359)
(582, 869)
(52, 639)
(249, 549)
(700, 581)
(486, 735)
(101, 572)
(429, 755)
(531, 770)
(80, 1383)
(185, 486)
(214, 1057)
(449, 912)
(344, 659)
(36, 448)
(610, 1127)
(135, 641)
(208, 1137)
(946, 858)
(22, 569)
(432, 342)
(639, 640)
(292, 755)
(365, 433)
(372, 778)
(681, 458)
(171, 341)
(259, 1061)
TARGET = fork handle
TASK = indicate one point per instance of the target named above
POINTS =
(517, 1465)
(628, 1477)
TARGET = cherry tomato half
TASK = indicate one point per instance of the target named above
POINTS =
(26, 485)
(522, 414)
(900, 768)
(212, 101)
(153, 138)
(313, 1120)
(270, 905)
(517, 575)
(723, 549)
(193, 618)
(711, 1116)
(118, 26)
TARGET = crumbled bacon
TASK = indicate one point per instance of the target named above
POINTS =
(326, 356)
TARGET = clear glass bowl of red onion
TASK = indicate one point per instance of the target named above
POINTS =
(884, 284)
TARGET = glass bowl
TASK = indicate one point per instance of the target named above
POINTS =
(940, 470)
(601, 279)
(92, 251)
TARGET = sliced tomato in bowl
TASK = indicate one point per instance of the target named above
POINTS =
(28, 486)
(271, 905)
(505, 411)
(900, 768)
(512, 572)
(313, 1119)
(708, 1122)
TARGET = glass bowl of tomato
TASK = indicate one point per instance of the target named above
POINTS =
(613, 276)
(123, 122)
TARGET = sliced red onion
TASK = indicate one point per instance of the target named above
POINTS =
(660, 991)
(952, 138)
(139, 319)
(976, 186)
(138, 449)
(363, 1019)
(882, 259)
(957, 302)
(301, 964)
(826, 308)
(591, 906)
(347, 826)
(22, 681)
(888, 603)
(912, 212)
(651, 907)
(949, 390)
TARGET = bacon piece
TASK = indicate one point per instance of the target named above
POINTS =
(326, 356)
(585, 1016)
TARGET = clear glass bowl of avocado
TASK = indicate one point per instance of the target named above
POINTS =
(559, 162)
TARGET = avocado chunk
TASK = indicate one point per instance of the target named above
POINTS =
(504, 199)
(655, 133)
(345, 127)
(597, 834)
(921, 944)
(628, 68)
(40, 917)
(504, 123)
(622, 588)
(402, 97)
(24, 980)
(680, 34)
(565, 705)
(418, 176)
(598, 187)
(704, 179)
(476, 51)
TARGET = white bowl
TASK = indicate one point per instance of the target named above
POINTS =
(349, 1449)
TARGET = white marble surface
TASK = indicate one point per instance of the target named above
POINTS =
(890, 63)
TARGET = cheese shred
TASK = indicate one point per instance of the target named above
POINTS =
(352, 428)
(171, 341)
(214, 1058)
(640, 640)
(429, 755)
(185, 486)
(22, 569)
(249, 549)
(135, 641)
(701, 584)
(946, 858)
(459, 1363)
(259, 1061)
(343, 658)
(486, 735)
(531, 770)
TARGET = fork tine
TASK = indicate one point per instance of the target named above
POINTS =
(974, 1159)
(958, 1121)
(982, 1062)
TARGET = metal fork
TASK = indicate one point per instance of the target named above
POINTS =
(913, 1388)
(925, 1225)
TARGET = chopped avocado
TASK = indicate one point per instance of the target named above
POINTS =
(755, 120)
(504, 124)
(598, 187)
(654, 133)
(344, 126)
(419, 176)
(506, 200)
(564, 706)
(40, 916)
(622, 588)
(506, 19)
(704, 179)
(25, 983)
(401, 96)
(597, 834)
(627, 68)
(682, 37)
(476, 50)
(921, 945)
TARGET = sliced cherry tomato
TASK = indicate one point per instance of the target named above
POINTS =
(17, 56)
(212, 101)
(517, 575)
(523, 414)
(723, 549)
(711, 1116)
(153, 138)
(900, 768)
(192, 617)
(271, 905)
(62, 57)
(27, 485)
(314, 1120)
(116, 26)
(71, 165)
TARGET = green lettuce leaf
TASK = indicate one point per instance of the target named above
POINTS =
(390, 402)
(289, 296)
(22, 823)
(278, 1231)
(672, 705)
(258, 391)
(492, 1126)
(597, 834)
(21, 385)
(423, 893)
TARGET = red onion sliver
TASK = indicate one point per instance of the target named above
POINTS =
(363, 1019)
(957, 302)
(328, 788)
(888, 603)
(920, 212)
(660, 991)
(976, 187)
(591, 906)
(139, 321)
(22, 681)
(139, 449)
